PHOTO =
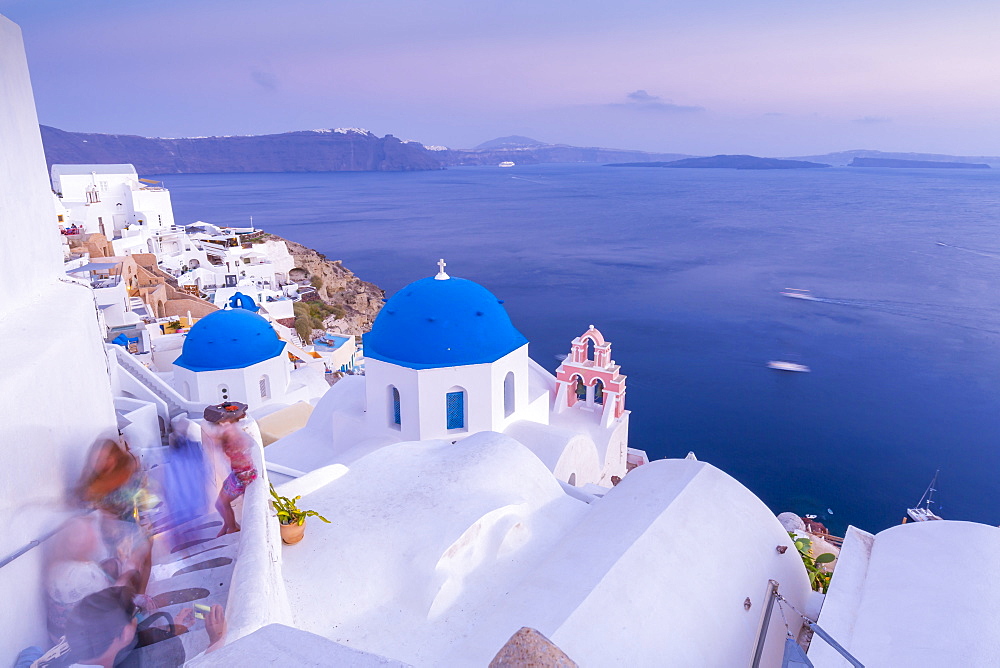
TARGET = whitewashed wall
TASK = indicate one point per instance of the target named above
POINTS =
(423, 391)
(54, 389)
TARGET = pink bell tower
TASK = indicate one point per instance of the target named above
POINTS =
(589, 379)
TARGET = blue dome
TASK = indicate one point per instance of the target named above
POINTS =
(439, 323)
(230, 339)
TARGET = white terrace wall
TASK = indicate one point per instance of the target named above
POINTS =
(54, 388)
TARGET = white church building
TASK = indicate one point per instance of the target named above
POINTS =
(444, 361)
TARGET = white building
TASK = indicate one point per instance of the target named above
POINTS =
(443, 360)
(113, 201)
(236, 355)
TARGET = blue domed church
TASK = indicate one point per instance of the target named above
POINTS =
(232, 355)
(443, 360)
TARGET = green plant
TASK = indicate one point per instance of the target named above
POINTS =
(173, 326)
(818, 578)
(289, 512)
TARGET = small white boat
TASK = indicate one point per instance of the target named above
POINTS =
(788, 366)
(922, 512)
(796, 293)
(506, 163)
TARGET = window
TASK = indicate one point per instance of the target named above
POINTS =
(508, 394)
(397, 416)
(455, 406)
(264, 389)
(598, 392)
(61, 217)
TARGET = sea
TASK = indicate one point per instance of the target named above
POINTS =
(683, 270)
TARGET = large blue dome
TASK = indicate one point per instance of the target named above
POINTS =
(229, 339)
(439, 323)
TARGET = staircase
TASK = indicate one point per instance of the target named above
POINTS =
(175, 402)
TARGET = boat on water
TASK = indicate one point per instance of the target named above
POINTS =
(922, 511)
(506, 163)
(779, 365)
(797, 293)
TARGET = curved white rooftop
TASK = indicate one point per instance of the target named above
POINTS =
(918, 594)
(439, 552)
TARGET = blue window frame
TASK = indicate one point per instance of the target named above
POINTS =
(396, 418)
(456, 410)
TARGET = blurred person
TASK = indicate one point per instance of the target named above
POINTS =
(224, 431)
(102, 630)
(114, 485)
(185, 478)
(73, 570)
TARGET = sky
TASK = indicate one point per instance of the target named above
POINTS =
(766, 77)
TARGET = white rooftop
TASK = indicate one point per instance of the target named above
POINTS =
(438, 552)
(918, 594)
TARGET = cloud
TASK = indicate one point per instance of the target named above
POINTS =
(871, 120)
(642, 96)
(643, 100)
(264, 79)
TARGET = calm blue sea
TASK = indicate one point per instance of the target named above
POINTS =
(681, 269)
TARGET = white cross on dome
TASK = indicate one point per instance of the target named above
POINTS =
(441, 276)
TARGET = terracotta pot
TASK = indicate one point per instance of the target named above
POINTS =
(292, 533)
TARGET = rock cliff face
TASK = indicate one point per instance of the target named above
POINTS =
(348, 150)
(360, 301)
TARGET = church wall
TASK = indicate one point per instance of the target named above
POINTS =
(243, 384)
(516, 362)
(56, 394)
(423, 396)
(483, 385)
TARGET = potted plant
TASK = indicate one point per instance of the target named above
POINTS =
(291, 518)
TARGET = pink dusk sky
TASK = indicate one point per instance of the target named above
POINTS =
(768, 77)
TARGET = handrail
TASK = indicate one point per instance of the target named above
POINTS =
(155, 384)
(24, 549)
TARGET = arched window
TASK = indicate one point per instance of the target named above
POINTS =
(579, 389)
(598, 392)
(590, 349)
(397, 416)
(265, 387)
(508, 394)
(455, 408)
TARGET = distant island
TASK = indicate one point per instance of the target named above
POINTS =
(934, 164)
(845, 158)
(337, 150)
(527, 151)
(728, 162)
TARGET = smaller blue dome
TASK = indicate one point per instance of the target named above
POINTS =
(230, 339)
(435, 323)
